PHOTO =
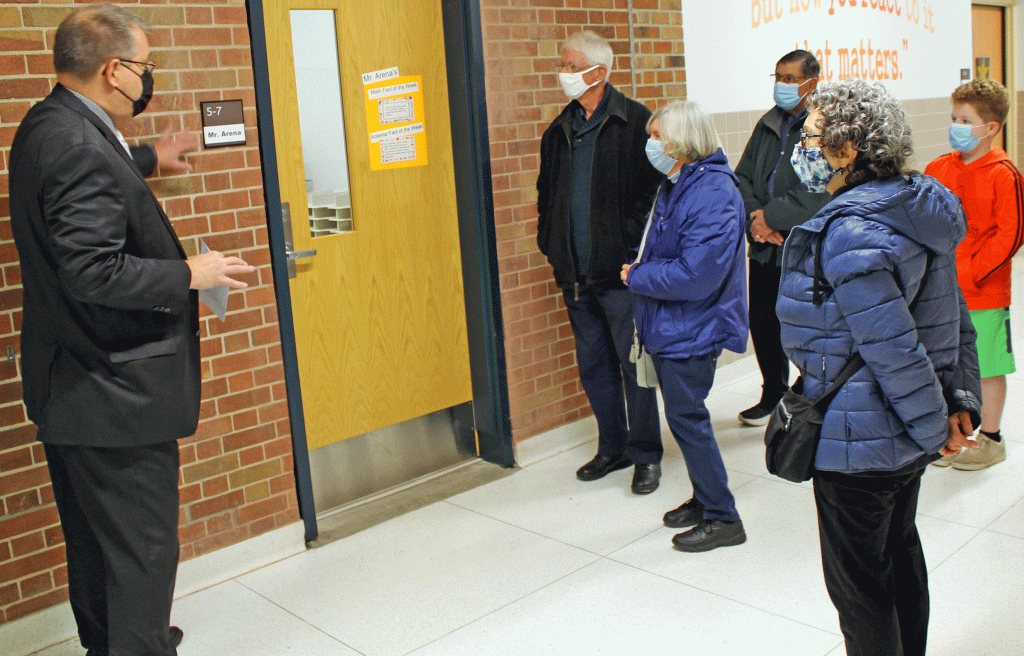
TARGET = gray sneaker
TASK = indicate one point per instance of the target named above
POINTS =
(987, 454)
(945, 461)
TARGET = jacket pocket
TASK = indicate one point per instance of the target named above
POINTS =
(166, 346)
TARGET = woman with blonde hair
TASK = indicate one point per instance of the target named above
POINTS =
(690, 289)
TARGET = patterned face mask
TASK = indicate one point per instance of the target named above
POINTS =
(812, 168)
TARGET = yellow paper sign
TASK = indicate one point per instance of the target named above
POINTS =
(394, 119)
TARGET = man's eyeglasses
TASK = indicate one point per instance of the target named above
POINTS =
(804, 137)
(569, 66)
(788, 79)
(147, 67)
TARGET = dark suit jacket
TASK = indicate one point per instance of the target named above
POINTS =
(110, 335)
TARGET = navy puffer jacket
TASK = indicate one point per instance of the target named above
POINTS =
(919, 368)
(690, 284)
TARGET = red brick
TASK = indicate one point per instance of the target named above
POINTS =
(36, 603)
(249, 437)
(35, 585)
(217, 504)
(12, 459)
(21, 567)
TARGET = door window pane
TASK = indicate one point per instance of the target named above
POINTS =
(321, 121)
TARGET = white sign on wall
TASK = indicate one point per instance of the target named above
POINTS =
(916, 48)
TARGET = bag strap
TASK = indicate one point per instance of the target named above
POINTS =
(647, 228)
(640, 253)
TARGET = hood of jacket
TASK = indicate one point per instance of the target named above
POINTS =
(917, 207)
(717, 162)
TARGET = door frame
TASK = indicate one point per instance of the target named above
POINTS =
(1009, 64)
(475, 208)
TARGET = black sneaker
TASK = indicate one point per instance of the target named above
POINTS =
(709, 535)
(690, 513)
(757, 415)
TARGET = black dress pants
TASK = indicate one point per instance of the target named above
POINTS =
(873, 562)
(765, 331)
(118, 509)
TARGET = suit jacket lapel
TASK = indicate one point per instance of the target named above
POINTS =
(61, 95)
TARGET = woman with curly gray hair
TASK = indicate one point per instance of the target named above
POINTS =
(869, 285)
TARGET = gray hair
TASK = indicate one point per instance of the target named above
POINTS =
(90, 36)
(686, 130)
(594, 48)
(871, 119)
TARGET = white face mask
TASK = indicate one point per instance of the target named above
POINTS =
(573, 84)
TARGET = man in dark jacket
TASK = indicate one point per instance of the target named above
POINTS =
(110, 334)
(594, 192)
(775, 202)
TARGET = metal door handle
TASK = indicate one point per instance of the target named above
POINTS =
(298, 255)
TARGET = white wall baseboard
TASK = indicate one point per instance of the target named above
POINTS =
(555, 441)
(57, 624)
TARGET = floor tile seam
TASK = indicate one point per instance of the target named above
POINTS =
(995, 531)
(506, 605)
(950, 521)
(527, 530)
(933, 568)
(723, 596)
(300, 618)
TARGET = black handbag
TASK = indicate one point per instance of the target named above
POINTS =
(794, 429)
(791, 439)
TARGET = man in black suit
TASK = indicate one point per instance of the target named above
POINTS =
(110, 335)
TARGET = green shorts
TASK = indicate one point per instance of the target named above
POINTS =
(995, 350)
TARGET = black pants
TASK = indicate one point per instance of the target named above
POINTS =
(119, 512)
(765, 331)
(873, 562)
(602, 323)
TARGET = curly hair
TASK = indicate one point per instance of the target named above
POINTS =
(868, 117)
(989, 98)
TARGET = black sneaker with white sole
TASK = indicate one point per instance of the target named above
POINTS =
(757, 415)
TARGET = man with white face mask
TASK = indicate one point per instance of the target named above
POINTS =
(775, 202)
(594, 191)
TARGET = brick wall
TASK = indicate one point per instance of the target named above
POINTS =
(236, 475)
(521, 41)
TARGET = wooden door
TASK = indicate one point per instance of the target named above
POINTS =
(988, 29)
(379, 313)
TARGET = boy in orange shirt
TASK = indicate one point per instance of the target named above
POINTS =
(992, 192)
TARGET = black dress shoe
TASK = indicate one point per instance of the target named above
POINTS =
(646, 478)
(710, 535)
(690, 513)
(601, 466)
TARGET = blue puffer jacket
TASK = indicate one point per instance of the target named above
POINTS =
(690, 285)
(893, 413)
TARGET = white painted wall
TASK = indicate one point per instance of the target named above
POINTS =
(915, 47)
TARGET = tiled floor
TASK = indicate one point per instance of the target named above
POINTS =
(540, 563)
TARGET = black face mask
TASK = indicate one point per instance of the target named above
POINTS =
(139, 106)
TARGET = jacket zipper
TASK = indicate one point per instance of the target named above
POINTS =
(568, 233)
(590, 246)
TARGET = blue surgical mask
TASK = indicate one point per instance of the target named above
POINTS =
(961, 137)
(659, 160)
(787, 96)
(812, 168)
